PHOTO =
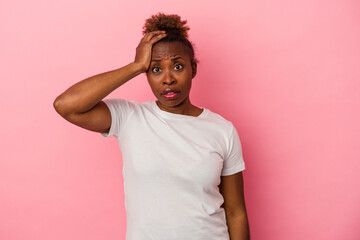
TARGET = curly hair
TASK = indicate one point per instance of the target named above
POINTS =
(176, 30)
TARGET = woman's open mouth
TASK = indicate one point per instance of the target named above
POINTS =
(170, 95)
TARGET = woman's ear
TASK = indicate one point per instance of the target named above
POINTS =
(194, 69)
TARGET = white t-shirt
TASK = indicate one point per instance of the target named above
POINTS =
(172, 165)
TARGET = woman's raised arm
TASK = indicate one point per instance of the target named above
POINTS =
(82, 104)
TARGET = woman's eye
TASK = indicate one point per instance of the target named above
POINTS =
(156, 69)
(178, 67)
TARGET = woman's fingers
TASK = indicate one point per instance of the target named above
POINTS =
(143, 50)
(157, 37)
(150, 35)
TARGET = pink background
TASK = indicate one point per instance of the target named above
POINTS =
(286, 73)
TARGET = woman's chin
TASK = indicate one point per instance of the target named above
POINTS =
(171, 103)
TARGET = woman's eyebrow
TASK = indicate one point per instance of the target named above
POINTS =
(175, 58)
(172, 59)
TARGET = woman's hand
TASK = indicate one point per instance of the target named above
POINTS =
(143, 50)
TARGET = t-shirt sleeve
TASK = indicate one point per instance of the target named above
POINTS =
(120, 110)
(233, 161)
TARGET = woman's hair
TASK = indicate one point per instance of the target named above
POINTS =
(175, 28)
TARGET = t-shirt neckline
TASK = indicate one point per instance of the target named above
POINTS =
(164, 113)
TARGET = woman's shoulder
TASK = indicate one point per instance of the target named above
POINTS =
(219, 120)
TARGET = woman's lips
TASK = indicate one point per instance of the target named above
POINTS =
(170, 95)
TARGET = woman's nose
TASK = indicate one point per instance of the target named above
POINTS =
(169, 79)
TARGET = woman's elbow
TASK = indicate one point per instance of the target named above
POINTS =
(60, 106)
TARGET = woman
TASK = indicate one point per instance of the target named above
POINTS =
(182, 164)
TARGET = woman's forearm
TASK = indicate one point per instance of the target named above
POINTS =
(238, 228)
(85, 94)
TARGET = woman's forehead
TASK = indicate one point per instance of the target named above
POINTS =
(169, 50)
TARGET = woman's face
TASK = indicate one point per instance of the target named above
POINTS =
(170, 73)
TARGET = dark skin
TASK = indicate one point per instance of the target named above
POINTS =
(166, 65)
(171, 67)
(232, 189)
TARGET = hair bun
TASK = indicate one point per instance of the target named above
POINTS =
(170, 23)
